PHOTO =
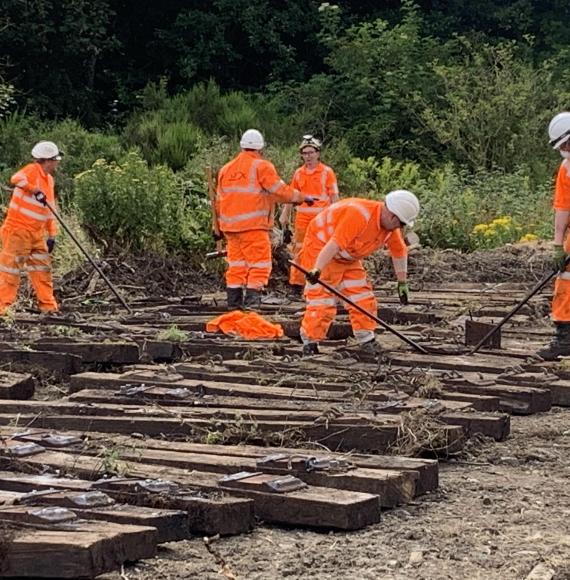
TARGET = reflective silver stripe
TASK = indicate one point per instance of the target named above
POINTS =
(320, 220)
(238, 263)
(564, 276)
(345, 255)
(259, 264)
(243, 216)
(29, 212)
(400, 264)
(277, 185)
(15, 271)
(37, 268)
(362, 210)
(39, 256)
(322, 302)
(353, 283)
(361, 296)
(321, 236)
(324, 181)
(28, 198)
(310, 209)
(234, 286)
(334, 188)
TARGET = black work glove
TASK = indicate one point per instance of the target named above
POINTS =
(41, 197)
(404, 292)
(313, 276)
(217, 237)
(287, 236)
(558, 257)
(50, 244)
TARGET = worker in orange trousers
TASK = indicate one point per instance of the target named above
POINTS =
(559, 134)
(247, 190)
(29, 230)
(319, 181)
(336, 242)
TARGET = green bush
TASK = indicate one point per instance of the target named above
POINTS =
(136, 206)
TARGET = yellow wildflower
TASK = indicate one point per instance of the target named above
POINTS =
(480, 228)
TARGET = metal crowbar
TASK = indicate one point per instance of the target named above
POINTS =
(86, 254)
(383, 324)
(534, 291)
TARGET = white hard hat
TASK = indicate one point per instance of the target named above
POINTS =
(404, 204)
(559, 129)
(310, 141)
(252, 139)
(46, 150)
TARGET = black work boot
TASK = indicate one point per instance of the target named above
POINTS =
(559, 345)
(235, 298)
(310, 349)
(252, 300)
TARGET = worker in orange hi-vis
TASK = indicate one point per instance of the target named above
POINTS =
(248, 189)
(319, 181)
(29, 230)
(336, 242)
(559, 134)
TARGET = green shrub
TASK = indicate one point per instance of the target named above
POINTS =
(136, 206)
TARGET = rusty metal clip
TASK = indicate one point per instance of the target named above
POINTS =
(327, 464)
(91, 499)
(285, 484)
(158, 486)
(25, 449)
(53, 515)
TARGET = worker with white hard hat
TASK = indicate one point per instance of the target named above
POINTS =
(337, 240)
(29, 230)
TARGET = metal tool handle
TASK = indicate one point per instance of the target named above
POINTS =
(545, 280)
(383, 324)
(86, 254)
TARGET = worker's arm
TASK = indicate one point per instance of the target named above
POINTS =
(399, 253)
(285, 216)
(332, 186)
(561, 218)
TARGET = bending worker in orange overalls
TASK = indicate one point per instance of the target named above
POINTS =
(248, 188)
(336, 241)
(559, 133)
(319, 181)
(29, 230)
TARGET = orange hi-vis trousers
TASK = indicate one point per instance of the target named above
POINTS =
(302, 221)
(25, 251)
(561, 298)
(350, 279)
(249, 259)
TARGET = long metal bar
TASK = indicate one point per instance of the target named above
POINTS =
(545, 280)
(383, 324)
(86, 254)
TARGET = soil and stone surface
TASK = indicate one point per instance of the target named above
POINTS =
(502, 510)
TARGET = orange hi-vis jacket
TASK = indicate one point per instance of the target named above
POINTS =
(25, 211)
(248, 188)
(561, 299)
(320, 183)
(354, 224)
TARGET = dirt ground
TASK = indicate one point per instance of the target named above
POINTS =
(502, 512)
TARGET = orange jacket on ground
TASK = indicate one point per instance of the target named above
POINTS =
(25, 211)
(248, 188)
(561, 299)
(320, 183)
(248, 325)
